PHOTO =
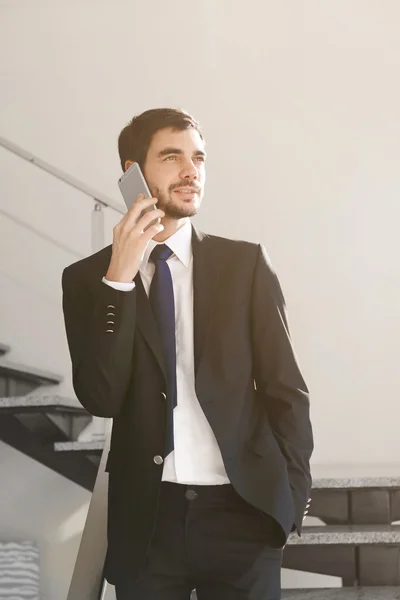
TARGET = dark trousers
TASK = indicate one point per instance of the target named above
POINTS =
(209, 539)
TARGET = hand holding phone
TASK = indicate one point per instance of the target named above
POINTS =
(131, 237)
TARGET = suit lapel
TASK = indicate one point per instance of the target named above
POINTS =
(147, 324)
(206, 271)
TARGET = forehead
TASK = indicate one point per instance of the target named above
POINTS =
(188, 140)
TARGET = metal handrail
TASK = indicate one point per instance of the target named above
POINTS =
(62, 176)
(87, 582)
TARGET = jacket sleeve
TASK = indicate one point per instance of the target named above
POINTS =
(279, 382)
(100, 328)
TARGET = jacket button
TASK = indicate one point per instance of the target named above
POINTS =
(164, 395)
(158, 460)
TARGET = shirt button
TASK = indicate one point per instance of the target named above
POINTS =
(158, 459)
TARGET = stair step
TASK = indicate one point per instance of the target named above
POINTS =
(95, 447)
(89, 450)
(4, 349)
(318, 483)
(347, 535)
(25, 373)
(33, 430)
(32, 424)
(362, 593)
(366, 499)
(353, 483)
(339, 476)
(329, 534)
(50, 418)
(31, 403)
(365, 554)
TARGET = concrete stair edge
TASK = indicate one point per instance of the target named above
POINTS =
(356, 593)
(42, 401)
(351, 483)
(91, 446)
(336, 483)
(346, 535)
(29, 372)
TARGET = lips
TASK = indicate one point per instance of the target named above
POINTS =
(186, 191)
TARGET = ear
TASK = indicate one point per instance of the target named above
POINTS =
(128, 163)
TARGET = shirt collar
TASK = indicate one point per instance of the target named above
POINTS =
(180, 243)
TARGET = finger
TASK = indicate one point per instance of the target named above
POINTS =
(130, 219)
(143, 202)
(140, 204)
(151, 232)
(148, 218)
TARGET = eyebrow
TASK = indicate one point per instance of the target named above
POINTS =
(172, 150)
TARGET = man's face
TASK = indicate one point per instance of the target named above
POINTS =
(175, 171)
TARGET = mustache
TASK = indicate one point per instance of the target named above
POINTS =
(192, 184)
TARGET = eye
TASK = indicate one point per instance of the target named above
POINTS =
(169, 158)
(200, 158)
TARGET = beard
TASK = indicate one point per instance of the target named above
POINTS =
(172, 209)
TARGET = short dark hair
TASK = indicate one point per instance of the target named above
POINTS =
(134, 140)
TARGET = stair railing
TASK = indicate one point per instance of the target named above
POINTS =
(87, 581)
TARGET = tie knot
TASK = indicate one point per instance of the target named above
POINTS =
(161, 252)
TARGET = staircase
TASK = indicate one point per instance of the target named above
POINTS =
(356, 538)
(360, 542)
(33, 421)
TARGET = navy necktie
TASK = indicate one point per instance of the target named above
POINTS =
(162, 302)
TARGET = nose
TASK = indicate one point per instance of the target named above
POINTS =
(189, 170)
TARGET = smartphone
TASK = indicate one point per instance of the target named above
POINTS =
(131, 184)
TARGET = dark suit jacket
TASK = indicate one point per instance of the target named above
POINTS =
(246, 376)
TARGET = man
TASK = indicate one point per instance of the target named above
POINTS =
(182, 338)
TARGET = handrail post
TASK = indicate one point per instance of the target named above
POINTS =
(87, 581)
(96, 429)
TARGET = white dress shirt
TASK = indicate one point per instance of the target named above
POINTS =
(196, 458)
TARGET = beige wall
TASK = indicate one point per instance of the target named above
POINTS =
(299, 102)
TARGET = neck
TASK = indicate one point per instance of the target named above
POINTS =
(171, 226)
